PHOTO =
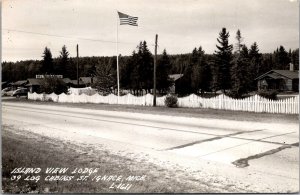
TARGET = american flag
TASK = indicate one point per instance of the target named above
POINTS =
(126, 19)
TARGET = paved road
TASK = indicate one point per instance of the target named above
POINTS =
(232, 155)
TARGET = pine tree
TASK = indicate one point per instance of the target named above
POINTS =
(256, 59)
(138, 74)
(222, 61)
(238, 45)
(71, 69)
(189, 82)
(63, 61)
(194, 74)
(146, 67)
(135, 76)
(105, 78)
(255, 66)
(240, 76)
(239, 73)
(162, 72)
(47, 64)
(281, 59)
(197, 74)
(127, 71)
(201, 72)
(205, 72)
(295, 58)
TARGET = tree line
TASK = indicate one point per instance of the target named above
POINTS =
(232, 68)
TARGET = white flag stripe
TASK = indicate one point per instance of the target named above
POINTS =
(124, 19)
(129, 24)
(128, 19)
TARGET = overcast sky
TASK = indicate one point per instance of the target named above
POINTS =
(181, 25)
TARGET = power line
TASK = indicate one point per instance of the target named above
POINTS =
(68, 37)
(63, 36)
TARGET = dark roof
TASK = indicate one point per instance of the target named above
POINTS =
(67, 80)
(22, 82)
(276, 74)
(175, 76)
(33, 82)
(37, 82)
(288, 73)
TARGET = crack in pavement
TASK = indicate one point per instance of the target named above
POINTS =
(243, 162)
(211, 139)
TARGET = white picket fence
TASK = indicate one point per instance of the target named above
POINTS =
(251, 104)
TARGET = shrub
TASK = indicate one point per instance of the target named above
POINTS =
(269, 94)
(171, 101)
(56, 85)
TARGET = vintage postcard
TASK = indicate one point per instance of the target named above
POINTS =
(139, 96)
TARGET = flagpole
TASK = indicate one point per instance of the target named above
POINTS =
(118, 82)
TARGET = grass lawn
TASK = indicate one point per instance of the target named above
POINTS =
(21, 149)
(187, 112)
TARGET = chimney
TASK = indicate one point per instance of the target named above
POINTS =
(291, 67)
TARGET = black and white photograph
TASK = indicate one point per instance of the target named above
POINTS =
(140, 96)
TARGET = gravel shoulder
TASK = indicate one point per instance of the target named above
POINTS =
(19, 150)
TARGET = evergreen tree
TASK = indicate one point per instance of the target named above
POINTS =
(145, 60)
(205, 72)
(240, 74)
(194, 72)
(63, 61)
(222, 61)
(238, 45)
(71, 69)
(47, 64)
(189, 82)
(295, 58)
(281, 59)
(267, 61)
(255, 67)
(134, 69)
(91, 69)
(138, 74)
(244, 51)
(201, 72)
(162, 72)
(127, 71)
(105, 78)
(196, 75)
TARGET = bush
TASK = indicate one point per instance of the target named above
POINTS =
(53, 85)
(171, 101)
(269, 94)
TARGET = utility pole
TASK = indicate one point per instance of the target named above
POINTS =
(77, 66)
(154, 72)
